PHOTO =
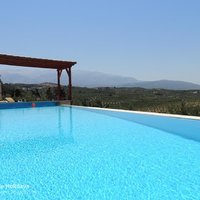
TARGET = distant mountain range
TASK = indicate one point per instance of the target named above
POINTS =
(165, 84)
(92, 79)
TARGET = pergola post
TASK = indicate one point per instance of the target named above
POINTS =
(59, 72)
(69, 83)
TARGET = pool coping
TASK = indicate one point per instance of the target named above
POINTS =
(140, 112)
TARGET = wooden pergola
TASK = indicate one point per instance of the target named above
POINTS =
(42, 63)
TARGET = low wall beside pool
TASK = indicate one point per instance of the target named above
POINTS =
(27, 104)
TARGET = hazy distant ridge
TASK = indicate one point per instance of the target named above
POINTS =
(93, 79)
(165, 84)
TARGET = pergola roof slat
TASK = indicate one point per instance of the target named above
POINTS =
(34, 62)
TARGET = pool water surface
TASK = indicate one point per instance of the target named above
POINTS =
(70, 153)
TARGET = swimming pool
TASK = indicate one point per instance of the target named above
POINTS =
(78, 153)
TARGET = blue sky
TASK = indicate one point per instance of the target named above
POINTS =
(146, 39)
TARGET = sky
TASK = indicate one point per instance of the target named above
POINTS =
(145, 39)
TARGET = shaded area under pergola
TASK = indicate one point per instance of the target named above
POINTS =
(42, 63)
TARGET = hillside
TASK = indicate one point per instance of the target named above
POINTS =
(155, 100)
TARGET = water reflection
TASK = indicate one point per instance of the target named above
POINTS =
(62, 136)
(65, 124)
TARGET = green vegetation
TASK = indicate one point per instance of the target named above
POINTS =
(154, 100)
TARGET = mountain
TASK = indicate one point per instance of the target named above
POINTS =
(165, 84)
(79, 78)
(99, 79)
(92, 79)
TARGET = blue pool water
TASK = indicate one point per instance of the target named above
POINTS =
(72, 153)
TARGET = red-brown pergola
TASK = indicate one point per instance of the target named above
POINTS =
(42, 63)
